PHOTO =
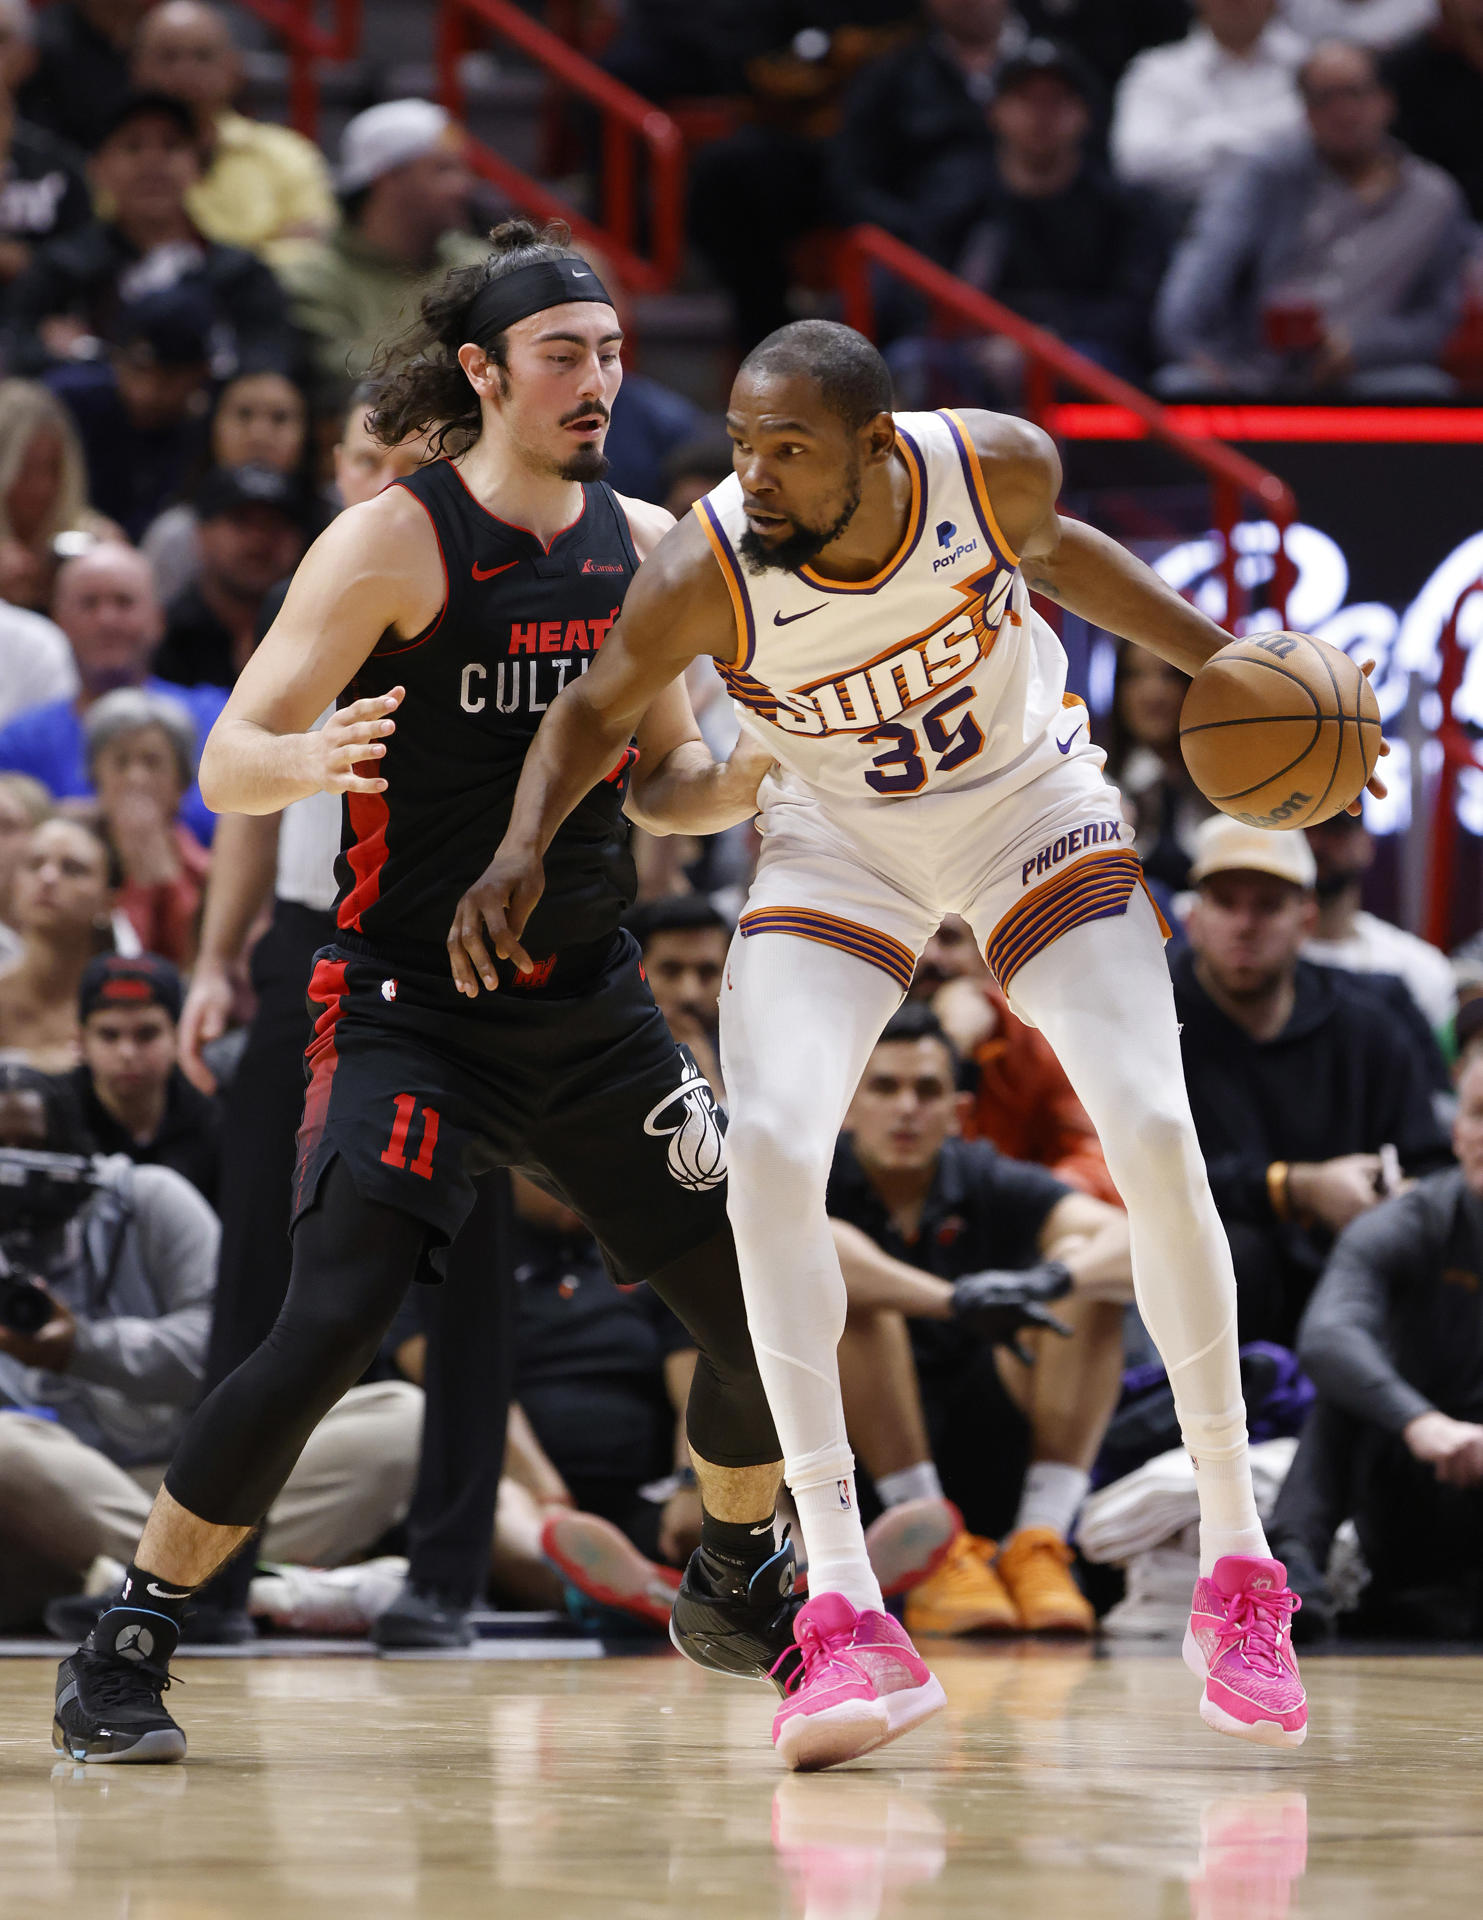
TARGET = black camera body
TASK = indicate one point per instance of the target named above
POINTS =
(39, 1194)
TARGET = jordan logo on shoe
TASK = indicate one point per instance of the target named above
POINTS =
(134, 1643)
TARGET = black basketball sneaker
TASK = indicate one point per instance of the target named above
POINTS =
(110, 1692)
(730, 1623)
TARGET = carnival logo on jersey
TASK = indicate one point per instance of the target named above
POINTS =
(602, 566)
(697, 1146)
(875, 692)
(945, 533)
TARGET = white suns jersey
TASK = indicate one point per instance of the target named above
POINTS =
(935, 676)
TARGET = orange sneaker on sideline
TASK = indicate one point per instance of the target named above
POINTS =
(1035, 1566)
(964, 1595)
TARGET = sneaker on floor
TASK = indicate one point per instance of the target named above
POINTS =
(420, 1618)
(859, 1683)
(1035, 1565)
(964, 1595)
(319, 1600)
(600, 1561)
(110, 1705)
(909, 1542)
(1239, 1642)
(742, 1626)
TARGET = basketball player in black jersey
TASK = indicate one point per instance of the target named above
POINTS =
(446, 615)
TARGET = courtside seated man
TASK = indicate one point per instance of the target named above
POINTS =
(863, 578)
(448, 612)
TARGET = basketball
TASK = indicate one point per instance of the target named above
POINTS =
(1280, 730)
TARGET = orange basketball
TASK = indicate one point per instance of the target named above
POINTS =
(1280, 730)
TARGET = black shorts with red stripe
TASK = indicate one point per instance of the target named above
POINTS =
(577, 1083)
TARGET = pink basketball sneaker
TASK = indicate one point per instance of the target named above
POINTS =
(1239, 1642)
(860, 1683)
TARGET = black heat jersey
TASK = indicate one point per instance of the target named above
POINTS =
(520, 621)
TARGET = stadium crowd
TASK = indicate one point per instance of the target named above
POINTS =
(1236, 196)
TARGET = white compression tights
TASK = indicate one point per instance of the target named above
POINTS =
(798, 1022)
(1101, 996)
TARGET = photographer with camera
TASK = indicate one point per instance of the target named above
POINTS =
(106, 1275)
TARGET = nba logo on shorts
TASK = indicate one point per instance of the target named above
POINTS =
(844, 1495)
(697, 1148)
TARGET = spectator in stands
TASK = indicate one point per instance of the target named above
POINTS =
(1145, 764)
(105, 604)
(141, 753)
(35, 661)
(139, 408)
(61, 908)
(1108, 34)
(17, 46)
(1042, 227)
(1333, 265)
(683, 940)
(1309, 1100)
(98, 1396)
(1344, 935)
(253, 524)
(71, 295)
(80, 76)
(1021, 1101)
(1012, 1445)
(1437, 81)
(42, 189)
(258, 420)
(1224, 93)
(754, 194)
(1380, 24)
(693, 468)
(404, 190)
(262, 187)
(1393, 1340)
(133, 1096)
(43, 495)
(24, 804)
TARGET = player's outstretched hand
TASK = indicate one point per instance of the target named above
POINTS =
(500, 902)
(998, 1306)
(344, 750)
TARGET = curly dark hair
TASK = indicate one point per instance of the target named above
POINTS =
(418, 381)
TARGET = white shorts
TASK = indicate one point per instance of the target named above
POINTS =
(1050, 856)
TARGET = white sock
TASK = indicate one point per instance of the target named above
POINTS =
(911, 1483)
(1050, 1497)
(837, 1560)
(1229, 1522)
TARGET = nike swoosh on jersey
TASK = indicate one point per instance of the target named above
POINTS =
(1067, 744)
(787, 619)
(488, 573)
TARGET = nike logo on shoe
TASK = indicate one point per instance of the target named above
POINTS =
(787, 619)
(488, 573)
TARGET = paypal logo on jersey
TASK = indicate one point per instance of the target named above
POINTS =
(946, 533)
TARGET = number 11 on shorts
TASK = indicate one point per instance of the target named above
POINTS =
(394, 1153)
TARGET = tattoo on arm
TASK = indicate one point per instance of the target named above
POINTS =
(1040, 583)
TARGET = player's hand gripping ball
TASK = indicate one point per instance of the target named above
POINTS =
(1280, 730)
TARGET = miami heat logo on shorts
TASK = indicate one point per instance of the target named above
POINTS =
(697, 1146)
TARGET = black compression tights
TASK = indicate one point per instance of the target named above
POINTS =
(727, 1420)
(352, 1262)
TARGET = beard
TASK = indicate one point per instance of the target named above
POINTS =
(802, 544)
(587, 463)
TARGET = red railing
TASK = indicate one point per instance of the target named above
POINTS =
(296, 22)
(1458, 751)
(1048, 360)
(627, 120)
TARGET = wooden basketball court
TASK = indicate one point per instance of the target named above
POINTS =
(1058, 1784)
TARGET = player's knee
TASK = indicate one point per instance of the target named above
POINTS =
(775, 1164)
(1154, 1153)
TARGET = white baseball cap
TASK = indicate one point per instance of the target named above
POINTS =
(387, 136)
(1224, 845)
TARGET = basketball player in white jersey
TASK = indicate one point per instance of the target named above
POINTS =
(863, 580)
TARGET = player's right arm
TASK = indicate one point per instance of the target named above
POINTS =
(676, 609)
(375, 567)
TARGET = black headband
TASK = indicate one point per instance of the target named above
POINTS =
(500, 302)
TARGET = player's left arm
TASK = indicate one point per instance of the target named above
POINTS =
(1078, 567)
(1072, 563)
(677, 785)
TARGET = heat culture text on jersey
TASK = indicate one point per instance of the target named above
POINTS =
(914, 671)
(557, 651)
